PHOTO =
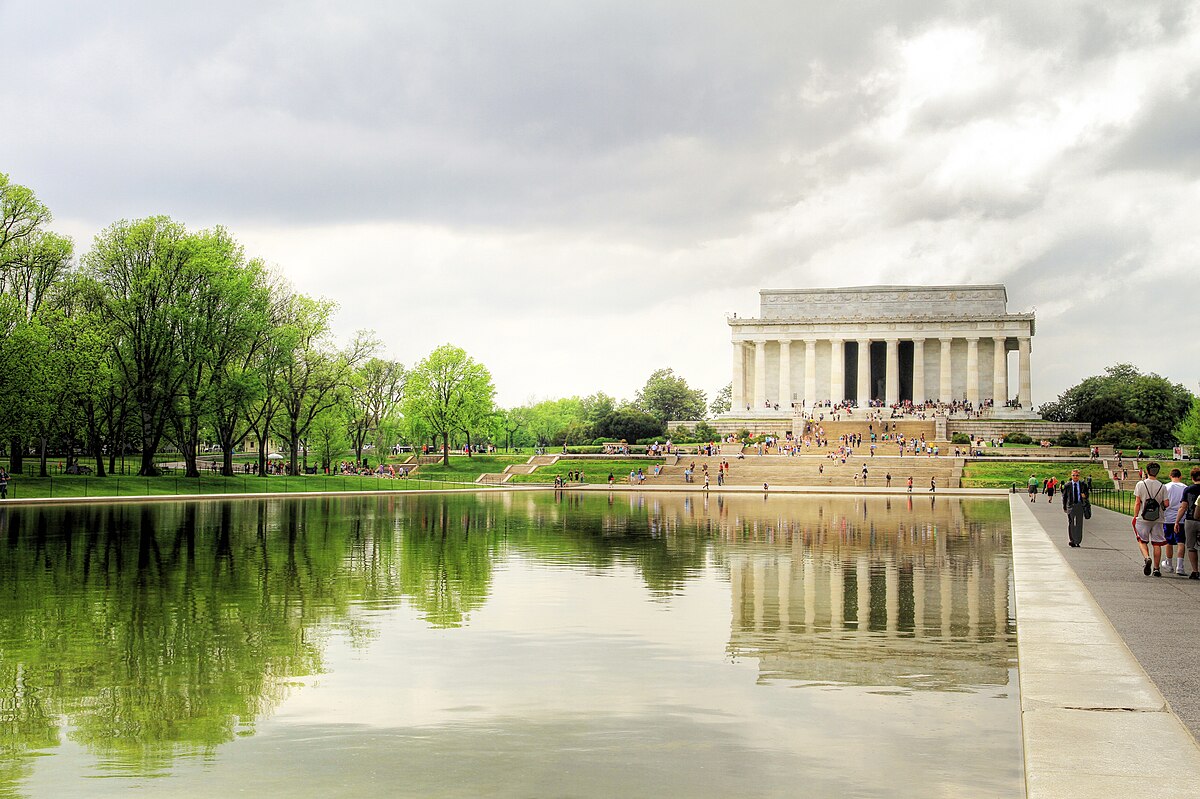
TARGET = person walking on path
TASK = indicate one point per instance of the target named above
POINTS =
(1174, 536)
(1186, 519)
(4, 478)
(1033, 488)
(1075, 505)
(910, 484)
(1148, 495)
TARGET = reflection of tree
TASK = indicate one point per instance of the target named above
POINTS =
(162, 629)
(447, 559)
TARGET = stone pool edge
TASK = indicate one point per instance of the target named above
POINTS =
(1093, 723)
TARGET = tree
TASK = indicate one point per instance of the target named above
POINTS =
(377, 388)
(1188, 430)
(666, 396)
(327, 438)
(1124, 394)
(138, 271)
(311, 370)
(449, 391)
(723, 402)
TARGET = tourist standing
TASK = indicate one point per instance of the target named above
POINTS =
(1186, 518)
(3, 483)
(1076, 506)
(1148, 495)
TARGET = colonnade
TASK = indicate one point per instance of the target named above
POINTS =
(824, 365)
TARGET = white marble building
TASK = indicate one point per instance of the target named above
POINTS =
(889, 343)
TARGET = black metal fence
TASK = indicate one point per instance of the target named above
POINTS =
(1120, 501)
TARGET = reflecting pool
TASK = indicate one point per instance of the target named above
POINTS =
(510, 644)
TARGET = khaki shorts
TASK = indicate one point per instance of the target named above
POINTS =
(1190, 530)
(1149, 532)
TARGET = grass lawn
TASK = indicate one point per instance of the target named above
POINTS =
(978, 474)
(594, 471)
(466, 469)
(126, 486)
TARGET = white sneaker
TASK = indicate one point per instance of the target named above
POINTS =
(1165, 565)
(1180, 571)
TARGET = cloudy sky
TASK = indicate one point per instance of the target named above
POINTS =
(578, 192)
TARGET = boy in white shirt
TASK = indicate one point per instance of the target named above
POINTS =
(1175, 540)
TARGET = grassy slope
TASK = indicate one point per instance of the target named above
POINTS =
(1003, 474)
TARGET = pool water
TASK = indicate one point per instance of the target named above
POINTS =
(510, 644)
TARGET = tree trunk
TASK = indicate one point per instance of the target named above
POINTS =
(227, 461)
(98, 454)
(42, 460)
(446, 449)
(16, 455)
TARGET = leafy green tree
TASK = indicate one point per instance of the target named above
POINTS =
(1188, 430)
(311, 371)
(449, 391)
(138, 273)
(667, 396)
(327, 438)
(630, 423)
(723, 402)
(1124, 394)
(376, 390)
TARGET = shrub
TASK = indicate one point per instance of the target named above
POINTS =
(706, 432)
(1017, 438)
(1124, 435)
(1066, 439)
(960, 438)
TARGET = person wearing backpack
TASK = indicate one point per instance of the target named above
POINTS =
(1149, 495)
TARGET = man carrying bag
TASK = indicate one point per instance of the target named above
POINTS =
(1077, 507)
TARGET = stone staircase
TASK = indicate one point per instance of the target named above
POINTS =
(909, 428)
(1127, 465)
(528, 467)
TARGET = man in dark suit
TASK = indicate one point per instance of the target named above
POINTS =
(1075, 503)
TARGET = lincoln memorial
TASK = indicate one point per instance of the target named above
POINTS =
(889, 344)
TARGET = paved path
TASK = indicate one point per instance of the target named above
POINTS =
(1159, 618)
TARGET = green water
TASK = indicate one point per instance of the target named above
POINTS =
(509, 645)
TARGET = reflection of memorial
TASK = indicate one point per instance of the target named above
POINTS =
(889, 601)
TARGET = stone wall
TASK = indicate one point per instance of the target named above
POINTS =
(1036, 429)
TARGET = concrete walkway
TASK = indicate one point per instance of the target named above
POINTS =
(1094, 722)
(1158, 617)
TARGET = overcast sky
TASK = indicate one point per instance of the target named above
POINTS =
(578, 192)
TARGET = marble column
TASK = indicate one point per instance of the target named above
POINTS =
(864, 372)
(738, 393)
(760, 374)
(785, 374)
(918, 384)
(1025, 397)
(892, 385)
(973, 370)
(810, 372)
(999, 370)
(946, 387)
(837, 371)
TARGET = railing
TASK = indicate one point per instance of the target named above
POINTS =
(1115, 500)
(59, 486)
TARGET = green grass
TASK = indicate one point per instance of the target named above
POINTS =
(594, 470)
(65, 486)
(467, 469)
(1002, 474)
